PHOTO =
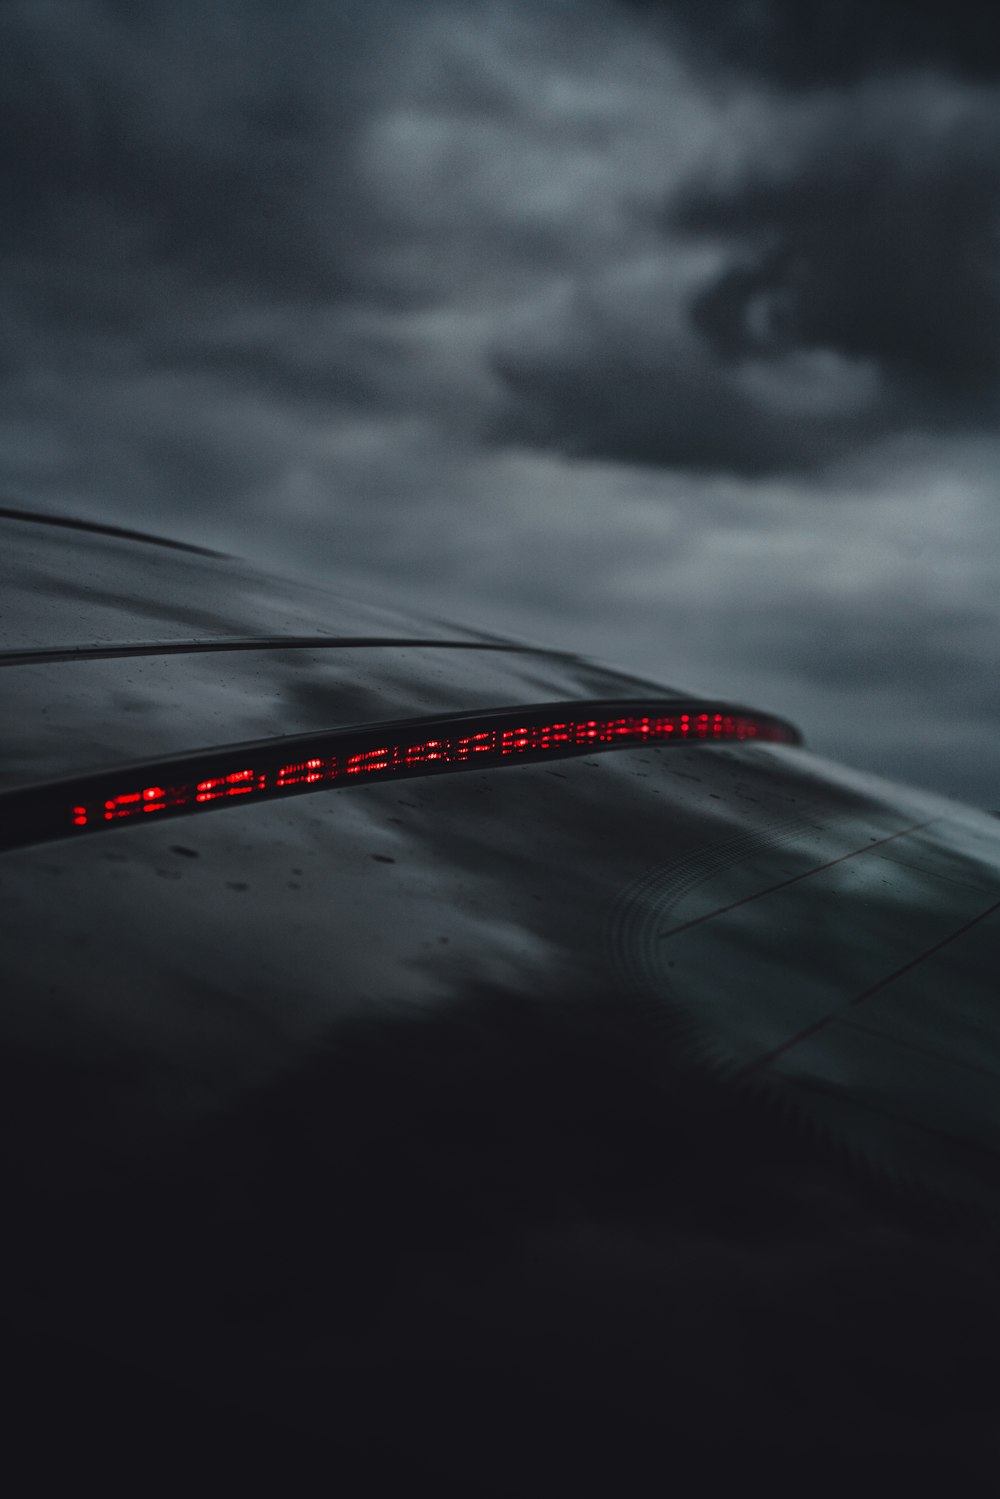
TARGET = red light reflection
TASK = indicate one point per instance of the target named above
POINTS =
(409, 754)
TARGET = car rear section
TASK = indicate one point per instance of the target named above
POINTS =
(450, 1061)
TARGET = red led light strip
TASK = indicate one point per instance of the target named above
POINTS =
(276, 768)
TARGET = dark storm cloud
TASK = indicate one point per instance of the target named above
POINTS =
(859, 296)
(292, 358)
(224, 192)
(181, 135)
(877, 247)
(805, 42)
(215, 189)
(194, 269)
(662, 405)
(170, 166)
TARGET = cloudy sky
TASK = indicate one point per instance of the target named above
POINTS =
(665, 331)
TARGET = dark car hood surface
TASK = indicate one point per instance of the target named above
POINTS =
(511, 1125)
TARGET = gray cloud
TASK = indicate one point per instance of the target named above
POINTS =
(835, 41)
(610, 393)
(858, 295)
(181, 135)
(879, 239)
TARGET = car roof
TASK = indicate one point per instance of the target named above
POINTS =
(117, 647)
(68, 584)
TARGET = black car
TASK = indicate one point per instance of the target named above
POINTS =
(433, 1063)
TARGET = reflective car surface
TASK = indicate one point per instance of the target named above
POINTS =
(433, 1060)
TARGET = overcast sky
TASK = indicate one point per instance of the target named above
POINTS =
(665, 331)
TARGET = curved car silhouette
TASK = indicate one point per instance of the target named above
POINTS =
(430, 1060)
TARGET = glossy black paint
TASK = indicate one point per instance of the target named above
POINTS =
(70, 719)
(70, 585)
(215, 780)
(566, 1127)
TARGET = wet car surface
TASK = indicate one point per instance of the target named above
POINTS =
(577, 1121)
